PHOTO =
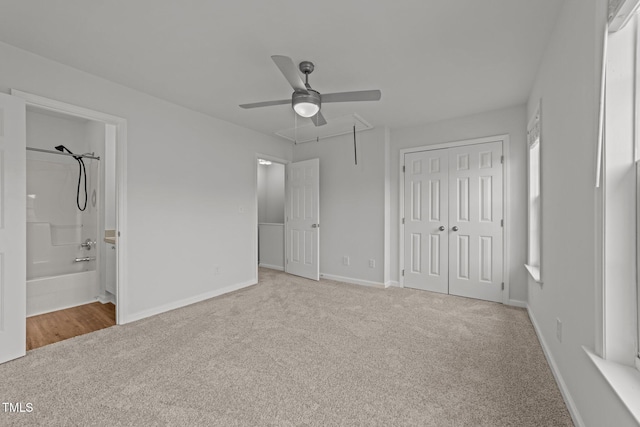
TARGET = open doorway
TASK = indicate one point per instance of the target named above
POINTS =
(75, 203)
(271, 208)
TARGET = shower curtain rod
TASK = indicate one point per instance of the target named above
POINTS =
(87, 156)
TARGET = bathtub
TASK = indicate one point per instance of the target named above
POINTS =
(52, 293)
(54, 280)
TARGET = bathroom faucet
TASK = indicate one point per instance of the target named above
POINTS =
(87, 244)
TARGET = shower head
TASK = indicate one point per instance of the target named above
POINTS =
(62, 149)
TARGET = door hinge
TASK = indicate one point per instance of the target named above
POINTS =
(403, 273)
(501, 159)
(502, 223)
(403, 220)
(403, 168)
(503, 286)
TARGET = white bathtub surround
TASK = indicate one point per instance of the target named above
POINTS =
(46, 294)
(61, 266)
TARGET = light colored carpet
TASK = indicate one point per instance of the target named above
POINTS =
(290, 351)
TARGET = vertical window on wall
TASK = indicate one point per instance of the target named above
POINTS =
(534, 222)
(619, 257)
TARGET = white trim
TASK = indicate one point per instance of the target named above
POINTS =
(505, 200)
(564, 390)
(601, 106)
(534, 272)
(351, 280)
(188, 301)
(620, 12)
(271, 267)
(254, 243)
(392, 283)
(121, 184)
(517, 303)
(624, 380)
(107, 297)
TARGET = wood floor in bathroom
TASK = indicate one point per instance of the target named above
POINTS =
(60, 325)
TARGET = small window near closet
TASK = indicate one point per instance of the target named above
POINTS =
(534, 220)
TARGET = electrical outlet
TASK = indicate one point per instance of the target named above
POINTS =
(559, 329)
(372, 263)
(345, 260)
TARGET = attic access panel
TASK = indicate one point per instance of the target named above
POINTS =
(335, 126)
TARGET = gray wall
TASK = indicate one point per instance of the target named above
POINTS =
(568, 85)
(187, 213)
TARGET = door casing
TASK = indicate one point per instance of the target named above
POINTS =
(505, 201)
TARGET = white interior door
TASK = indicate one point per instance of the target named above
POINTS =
(475, 221)
(426, 243)
(453, 221)
(13, 238)
(302, 219)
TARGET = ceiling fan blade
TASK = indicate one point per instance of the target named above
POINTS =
(362, 95)
(266, 103)
(288, 68)
(318, 119)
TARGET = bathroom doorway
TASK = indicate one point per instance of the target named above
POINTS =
(271, 208)
(75, 194)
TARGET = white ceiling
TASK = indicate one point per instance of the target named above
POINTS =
(432, 59)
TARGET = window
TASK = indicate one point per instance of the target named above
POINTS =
(535, 220)
(618, 158)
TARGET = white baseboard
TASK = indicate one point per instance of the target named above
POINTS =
(573, 411)
(517, 303)
(393, 283)
(272, 267)
(187, 301)
(107, 297)
(351, 280)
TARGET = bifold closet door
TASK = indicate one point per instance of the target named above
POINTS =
(475, 221)
(426, 218)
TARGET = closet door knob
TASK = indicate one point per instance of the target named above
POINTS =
(455, 228)
(441, 228)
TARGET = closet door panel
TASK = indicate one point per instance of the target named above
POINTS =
(426, 215)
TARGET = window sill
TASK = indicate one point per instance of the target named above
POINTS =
(534, 272)
(624, 380)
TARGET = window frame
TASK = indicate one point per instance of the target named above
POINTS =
(534, 196)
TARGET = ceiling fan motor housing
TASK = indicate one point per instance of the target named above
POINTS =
(306, 67)
(312, 97)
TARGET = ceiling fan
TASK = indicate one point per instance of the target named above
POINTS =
(306, 102)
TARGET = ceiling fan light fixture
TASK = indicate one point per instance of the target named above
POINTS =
(306, 104)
